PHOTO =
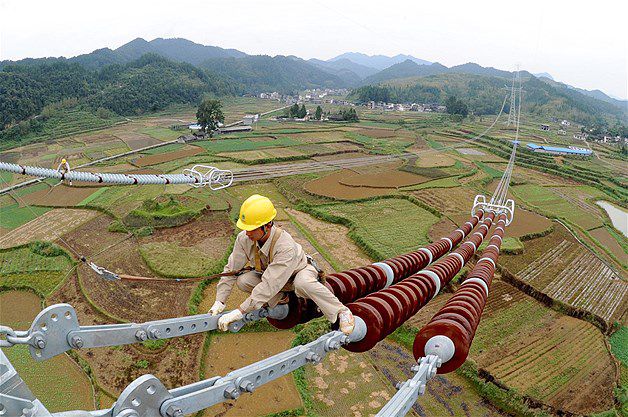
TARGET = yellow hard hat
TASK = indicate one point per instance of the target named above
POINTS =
(255, 212)
(63, 161)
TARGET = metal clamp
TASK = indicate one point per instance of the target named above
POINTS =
(409, 391)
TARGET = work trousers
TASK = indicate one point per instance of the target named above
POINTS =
(305, 285)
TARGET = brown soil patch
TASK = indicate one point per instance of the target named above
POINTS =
(229, 352)
(435, 160)
(334, 238)
(524, 223)
(132, 301)
(330, 186)
(19, 308)
(369, 169)
(377, 133)
(605, 238)
(47, 227)
(59, 196)
(454, 200)
(168, 156)
(136, 140)
(386, 179)
(442, 228)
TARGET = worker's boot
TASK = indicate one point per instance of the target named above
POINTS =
(347, 321)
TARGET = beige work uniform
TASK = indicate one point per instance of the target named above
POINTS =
(288, 271)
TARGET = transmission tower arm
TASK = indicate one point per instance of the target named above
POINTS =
(56, 330)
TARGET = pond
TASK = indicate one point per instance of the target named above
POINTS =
(619, 217)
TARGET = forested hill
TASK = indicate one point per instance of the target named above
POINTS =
(257, 73)
(484, 93)
(179, 50)
(146, 84)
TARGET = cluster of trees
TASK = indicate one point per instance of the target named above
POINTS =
(456, 106)
(147, 84)
(348, 115)
(295, 111)
(485, 95)
(209, 114)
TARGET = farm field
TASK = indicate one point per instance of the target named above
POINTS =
(345, 218)
(388, 226)
(72, 386)
(280, 395)
(559, 267)
(525, 346)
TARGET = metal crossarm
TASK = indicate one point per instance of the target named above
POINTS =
(56, 330)
(409, 391)
(148, 397)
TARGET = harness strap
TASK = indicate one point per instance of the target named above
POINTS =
(271, 249)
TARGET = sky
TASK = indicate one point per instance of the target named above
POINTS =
(584, 44)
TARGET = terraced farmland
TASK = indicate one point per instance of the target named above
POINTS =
(584, 281)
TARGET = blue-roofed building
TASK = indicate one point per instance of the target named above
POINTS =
(572, 150)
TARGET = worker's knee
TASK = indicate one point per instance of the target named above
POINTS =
(246, 282)
(305, 281)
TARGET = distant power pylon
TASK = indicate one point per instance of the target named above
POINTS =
(512, 114)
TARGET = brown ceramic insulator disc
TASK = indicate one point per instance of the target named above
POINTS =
(395, 267)
(413, 293)
(470, 299)
(394, 303)
(453, 331)
(403, 298)
(297, 307)
(360, 282)
(350, 285)
(384, 309)
(374, 325)
(377, 278)
(424, 290)
(465, 310)
(458, 318)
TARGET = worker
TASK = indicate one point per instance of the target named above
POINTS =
(64, 168)
(278, 265)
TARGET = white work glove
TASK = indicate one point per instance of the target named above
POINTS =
(216, 308)
(226, 319)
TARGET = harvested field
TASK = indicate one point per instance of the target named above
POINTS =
(47, 227)
(330, 186)
(525, 223)
(168, 156)
(470, 151)
(386, 179)
(262, 154)
(59, 196)
(190, 250)
(377, 133)
(442, 228)
(229, 352)
(135, 140)
(334, 239)
(447, 200)
(72, 387)
(131, 301)
(603, 236)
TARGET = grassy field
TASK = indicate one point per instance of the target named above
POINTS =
(387, 226)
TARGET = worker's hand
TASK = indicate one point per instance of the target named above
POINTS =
(226, 319)
(216, 308)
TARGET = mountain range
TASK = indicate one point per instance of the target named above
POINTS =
(232, 71)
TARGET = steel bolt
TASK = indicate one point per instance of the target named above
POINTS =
(174, 412)
(247, 386)
(77, 342)
(40, 342)
(232, 393)
(312, 357)
(141, 335)
(155, 334)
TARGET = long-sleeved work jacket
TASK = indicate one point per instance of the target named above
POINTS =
(287, 257)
